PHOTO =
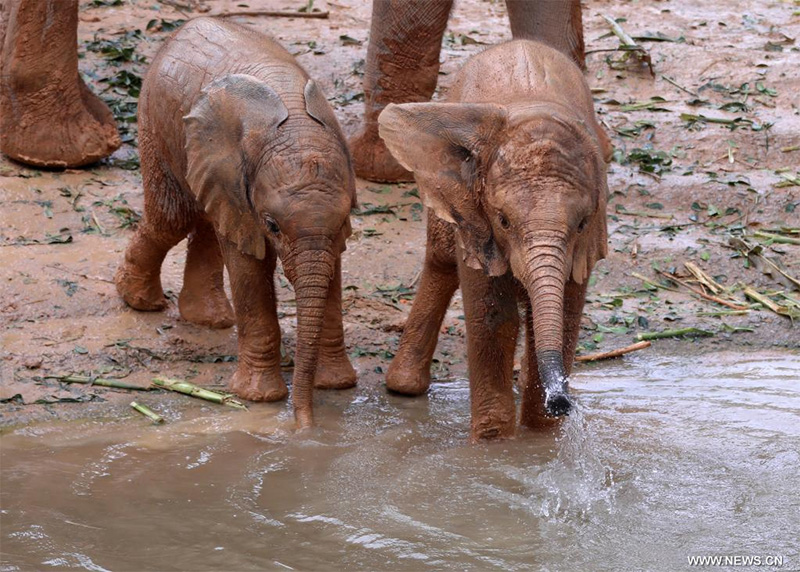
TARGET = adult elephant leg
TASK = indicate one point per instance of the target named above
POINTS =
(410, 370)
(258, 377)
(492, 319)
(334, 370)
(557, 23)
(402, 67)
(48, 117)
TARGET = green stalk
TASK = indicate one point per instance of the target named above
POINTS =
(103, 382)
(181, 386)
(147, 412)
(692, 332)
(776, 238)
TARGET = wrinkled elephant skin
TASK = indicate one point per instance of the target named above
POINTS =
(513, 169)
(48, 117)
(241, 151)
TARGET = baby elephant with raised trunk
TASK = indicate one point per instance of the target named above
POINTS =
(241, 151)
(513, 168)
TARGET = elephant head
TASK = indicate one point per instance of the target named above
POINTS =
(264, 174)
(525, 187)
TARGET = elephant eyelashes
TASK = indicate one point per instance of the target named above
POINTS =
(504, 224)
(271, 225)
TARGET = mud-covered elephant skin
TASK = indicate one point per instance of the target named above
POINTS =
(402, 63)
(513, 169)
(241, 151)
(48, 117)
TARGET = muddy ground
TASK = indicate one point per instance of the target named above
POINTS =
(684, 189)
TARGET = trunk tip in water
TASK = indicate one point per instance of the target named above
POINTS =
(557, 401)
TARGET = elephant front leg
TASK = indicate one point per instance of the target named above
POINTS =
(410, 370)
(334, 370)
(534, 414)
(402, 67)
(258, 376)
(492, 319)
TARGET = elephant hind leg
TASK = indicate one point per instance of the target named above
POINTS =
(203, 300)
(169, 215)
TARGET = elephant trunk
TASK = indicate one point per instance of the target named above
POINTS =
(312, 271)
(544, 279)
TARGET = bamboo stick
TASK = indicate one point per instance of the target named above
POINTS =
(147, 412)
(101, 381)
(777, 238)
(187, 388)
(765, 301)
(614, 353)
(647, 281)
(701, 293)
(704, 278)
(274, 14)
(694, 332)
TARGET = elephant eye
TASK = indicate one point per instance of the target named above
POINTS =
(271, 225)
(583, 224)
(504, 224)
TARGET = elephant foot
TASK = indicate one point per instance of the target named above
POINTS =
(406, 377)
(493, 427)
(374, 162)
(139, 290)
(255, 384)
(70, 128)
(212, 309)
(334, 372)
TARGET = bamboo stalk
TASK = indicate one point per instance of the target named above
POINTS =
(777, 238)
(147, 412)
(100, 381)
(624, 38)
(765, 301)
(181, 386)
(274, 14)
(693, 332)
(647, 281)
(701, 293)
(614, 353)
(629, 44)
(704, 278)
(721, 313)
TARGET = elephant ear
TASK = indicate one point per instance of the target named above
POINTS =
(448, 147)
(320, 110)
(229, 112)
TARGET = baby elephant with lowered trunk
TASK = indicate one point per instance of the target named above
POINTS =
(513, 169)
(241, 151)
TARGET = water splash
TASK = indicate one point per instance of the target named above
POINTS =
(577, 482)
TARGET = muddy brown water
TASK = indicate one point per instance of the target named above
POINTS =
(666, 458)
